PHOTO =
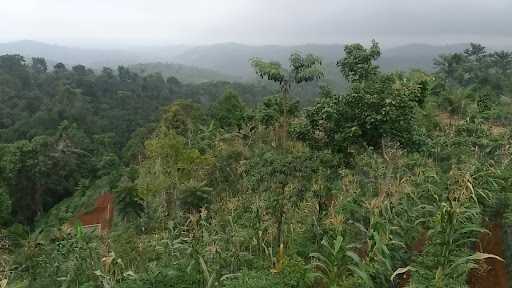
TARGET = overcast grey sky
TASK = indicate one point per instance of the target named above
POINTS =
(161, 22)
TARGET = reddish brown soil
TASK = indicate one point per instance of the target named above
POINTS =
(101, 215)
(404, 279)
(491, 273)
(417, 247)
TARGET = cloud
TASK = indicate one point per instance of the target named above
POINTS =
(255, 22)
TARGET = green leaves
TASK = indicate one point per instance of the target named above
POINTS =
(5, 207)
(377, 107)
(302, 69)
(306, 69)
(193, 196)
(228, 111)
(358, 66)
(271, 110)
(40, 172)
(169, 152)
(170, 163)
(470, 259)
(338, 265)
(482, 73)
(384, 108)
(270, 70)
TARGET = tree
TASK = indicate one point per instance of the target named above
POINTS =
(377, 106)
(5, 207)
(184, 117)
(479, 72)
(80, 70)
(270, 111)
(38, 173)
(228, 111)
(12, 64)
(39, 65)
(358, 64)
(502, 60)
(169, 165)
(302, 69)
(14, 67)
(125, 75)
(25, 166)
(154, 85)
(278, 176)
(173, 84)
(450, 68)
(60, 69)
(475, 50)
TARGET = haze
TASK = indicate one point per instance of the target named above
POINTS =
(117, 23)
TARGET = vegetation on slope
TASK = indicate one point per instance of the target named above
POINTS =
(185, 74)
(369, 188)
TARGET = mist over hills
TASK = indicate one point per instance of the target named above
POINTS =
(184, 73)
(91, 57)
(225, 61)
(233, 58)
(68, 55)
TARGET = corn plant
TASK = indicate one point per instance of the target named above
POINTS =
(336, 265)
(447, 259)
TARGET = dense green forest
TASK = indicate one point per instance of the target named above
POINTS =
(398, 181)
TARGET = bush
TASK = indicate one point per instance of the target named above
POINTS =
(5, 208)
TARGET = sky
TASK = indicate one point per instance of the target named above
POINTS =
(256, 22)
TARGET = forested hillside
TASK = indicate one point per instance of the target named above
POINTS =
(94, 58)
(226, 58)
(120, 179)
(232, 58)
(186, 74)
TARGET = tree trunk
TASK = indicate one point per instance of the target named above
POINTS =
(280, 218)
(170, 203)
(37, 201)
(280, 228)
(284, 126)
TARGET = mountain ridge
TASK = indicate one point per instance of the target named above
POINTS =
(224, 61)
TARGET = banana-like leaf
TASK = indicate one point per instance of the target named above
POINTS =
(363, 275)
(402, 271)
(211, 281)
(227, 276)
(354, 256)
(206, 273)
(476, 256)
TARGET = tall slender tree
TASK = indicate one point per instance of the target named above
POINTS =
(302, 69)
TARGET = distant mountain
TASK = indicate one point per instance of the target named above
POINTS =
(415, 56)
(184, 73)
(67, 55)
(233, 59)
(133, 58)
(226, 61)
(91, 57)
